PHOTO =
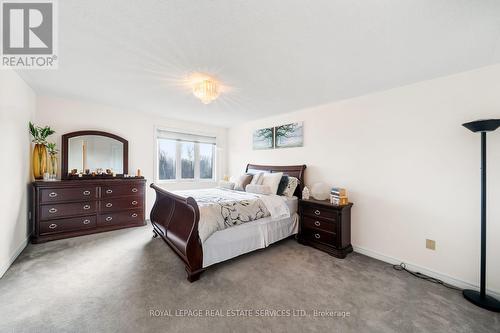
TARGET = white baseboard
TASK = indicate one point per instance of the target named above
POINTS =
(16, 253)
(443, 277)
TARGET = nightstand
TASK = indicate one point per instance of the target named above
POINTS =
(325, 226)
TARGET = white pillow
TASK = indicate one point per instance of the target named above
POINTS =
(272, 180)
(257, 178)
(258, 189)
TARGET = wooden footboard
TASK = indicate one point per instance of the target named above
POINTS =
(175, 219)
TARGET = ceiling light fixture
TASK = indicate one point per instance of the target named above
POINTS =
(206, 89)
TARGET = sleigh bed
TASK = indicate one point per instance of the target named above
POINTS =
(175, 219)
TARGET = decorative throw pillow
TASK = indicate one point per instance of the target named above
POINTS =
(241, 182)
(257, 178)
(258, 189)
(291, 186)
(282, 185)
(272, 180)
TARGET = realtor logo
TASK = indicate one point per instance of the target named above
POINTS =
(28, 34)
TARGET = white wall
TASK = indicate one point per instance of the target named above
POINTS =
(67, 115)
(17, 108)
(411, 169)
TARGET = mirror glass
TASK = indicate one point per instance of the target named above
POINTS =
(95, 152)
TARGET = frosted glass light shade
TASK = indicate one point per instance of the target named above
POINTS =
(320, 191)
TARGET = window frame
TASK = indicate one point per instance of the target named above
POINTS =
(178, 162)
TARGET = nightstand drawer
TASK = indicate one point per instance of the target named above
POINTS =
(316, 235)
(319, 211)
(321, 224)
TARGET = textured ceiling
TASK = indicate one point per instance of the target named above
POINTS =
(274, 56)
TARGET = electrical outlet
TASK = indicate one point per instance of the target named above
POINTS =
(430, 244)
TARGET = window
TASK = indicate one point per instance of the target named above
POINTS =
(183, 156)
(166, 159)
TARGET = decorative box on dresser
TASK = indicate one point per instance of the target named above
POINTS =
(325, 226)
(70, 208)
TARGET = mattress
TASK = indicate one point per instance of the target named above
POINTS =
(232, 242)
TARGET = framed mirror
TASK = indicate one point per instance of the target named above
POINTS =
(93, 153)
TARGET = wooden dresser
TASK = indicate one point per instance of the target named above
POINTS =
(70, 208)
(325, 226)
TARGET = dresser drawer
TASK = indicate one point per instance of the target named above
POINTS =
(127, 217)
(112, 191)
(320, 224)
(320, 236)
(48, 212)
(69, 224)
(321, 212)
(116, 204)
(68, 194)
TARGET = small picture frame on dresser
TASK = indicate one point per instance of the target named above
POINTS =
(325, 226)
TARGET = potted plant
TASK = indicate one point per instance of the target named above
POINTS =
(52, 166)
(40, 135)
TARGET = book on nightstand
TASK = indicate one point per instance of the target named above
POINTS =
(338, 196)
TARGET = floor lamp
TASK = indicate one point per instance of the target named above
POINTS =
(480, 298)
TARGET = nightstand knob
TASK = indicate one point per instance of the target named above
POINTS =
(53, 226)
(53, 210)
(53, 194)
(86, 221)
(317, 223)
(109, 218)
(318, 236)
(317, 212)
(109, 204)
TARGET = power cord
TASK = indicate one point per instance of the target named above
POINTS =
(402, 267)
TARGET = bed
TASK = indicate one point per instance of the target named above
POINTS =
(175, 218)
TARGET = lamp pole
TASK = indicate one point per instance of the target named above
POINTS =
(480, 298)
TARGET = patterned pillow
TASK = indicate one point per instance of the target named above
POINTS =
(290, 188)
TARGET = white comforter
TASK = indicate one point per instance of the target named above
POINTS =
(222, 208)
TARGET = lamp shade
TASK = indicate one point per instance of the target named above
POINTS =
(487, 125)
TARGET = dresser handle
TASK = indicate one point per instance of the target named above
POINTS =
(86, 207)
(86, 221)
(134, 190)
(317, 212)
(318, 236)
(109, 218)
(86, 192)
(53, 194)
(109, 204)
(53, 226)
(53, 210)
(109, 191)
(134, 202)
(317, 223)
(134, 215)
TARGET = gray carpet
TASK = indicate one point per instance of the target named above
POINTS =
(111, 282)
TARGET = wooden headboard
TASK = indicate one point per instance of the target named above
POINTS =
(296, 171)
